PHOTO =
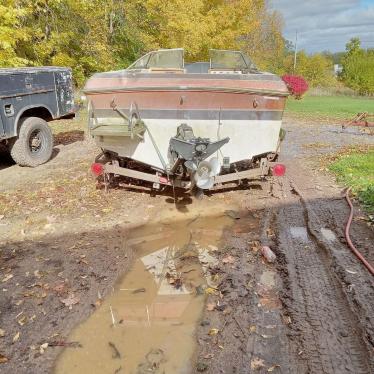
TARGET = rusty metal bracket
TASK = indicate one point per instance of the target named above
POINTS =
(362, 120)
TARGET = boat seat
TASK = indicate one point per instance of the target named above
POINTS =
(197, 68)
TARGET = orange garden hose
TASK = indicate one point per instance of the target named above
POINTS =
(348, 238)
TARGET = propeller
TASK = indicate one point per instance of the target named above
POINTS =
(205, 173)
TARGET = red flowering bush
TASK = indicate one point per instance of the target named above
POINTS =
(297, 85)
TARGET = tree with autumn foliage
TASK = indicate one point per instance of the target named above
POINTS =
(316, 68)
(101, 35)
(11, 33)
(199, 25)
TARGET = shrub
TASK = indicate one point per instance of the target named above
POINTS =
(297, 85)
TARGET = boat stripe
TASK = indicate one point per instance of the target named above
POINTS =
(185, 88)
(191, 114)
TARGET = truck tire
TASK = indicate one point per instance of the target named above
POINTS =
(34, 143)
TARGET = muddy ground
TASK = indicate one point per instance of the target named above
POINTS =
(64, 248)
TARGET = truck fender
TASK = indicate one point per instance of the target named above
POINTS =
(26, 108)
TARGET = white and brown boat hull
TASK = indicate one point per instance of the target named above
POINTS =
(247, 109)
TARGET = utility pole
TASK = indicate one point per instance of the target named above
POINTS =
(295, 56)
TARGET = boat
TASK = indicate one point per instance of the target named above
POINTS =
(189, 124)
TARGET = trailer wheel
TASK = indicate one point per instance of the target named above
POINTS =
(34, 143)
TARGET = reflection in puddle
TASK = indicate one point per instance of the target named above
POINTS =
(328, 234)
(148, 323)
(299, 232)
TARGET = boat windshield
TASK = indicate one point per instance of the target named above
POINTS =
(230, 60)
(161, 59)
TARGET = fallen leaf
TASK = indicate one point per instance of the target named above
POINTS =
(43, 347)
(228, 259)
(7, 277)
(272, 368)
(43, 295)
(255, 246)
(210, 306)
(269, 232)
(70, 300)
(252, 328)
(213, 332)
(16, 337)
(22, 321)
(210, 291)
(257, 363)
(209, 356)
(37, 274)
(3, 359)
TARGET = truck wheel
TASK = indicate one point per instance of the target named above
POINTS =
(34, 144)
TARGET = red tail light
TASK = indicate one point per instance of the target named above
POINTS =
(97, 169)
(279, 170)
(163, 180)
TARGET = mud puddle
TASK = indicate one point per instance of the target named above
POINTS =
(148, 322)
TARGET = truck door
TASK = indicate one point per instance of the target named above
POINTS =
(64, 91)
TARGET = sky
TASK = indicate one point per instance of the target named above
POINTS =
(327, 24)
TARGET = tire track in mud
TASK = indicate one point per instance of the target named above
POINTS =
(253, 331)
(327, 332)
(331, 211)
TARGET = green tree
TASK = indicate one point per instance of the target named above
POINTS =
(353, 47)
(317, 69)
(358, 68)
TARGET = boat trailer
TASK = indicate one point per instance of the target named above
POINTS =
(159, 180)
(190, 163)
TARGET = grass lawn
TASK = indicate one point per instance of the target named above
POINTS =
(329, 107)
(357, 170)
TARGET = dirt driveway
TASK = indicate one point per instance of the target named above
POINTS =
(70, 251)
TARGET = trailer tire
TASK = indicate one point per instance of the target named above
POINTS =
(34, 143)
